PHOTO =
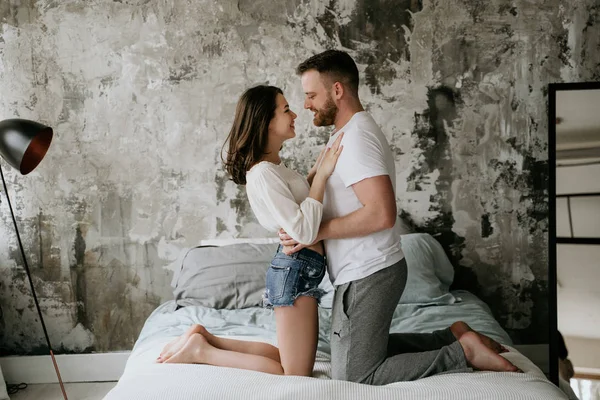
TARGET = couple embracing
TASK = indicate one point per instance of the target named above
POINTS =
(341, 217)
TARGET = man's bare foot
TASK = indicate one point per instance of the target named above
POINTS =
(192, 352)
(481, 357)
(173, 347)
(459, 328)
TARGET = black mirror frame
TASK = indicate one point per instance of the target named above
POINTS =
(552, 242)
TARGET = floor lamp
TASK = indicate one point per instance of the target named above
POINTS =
(23, 144)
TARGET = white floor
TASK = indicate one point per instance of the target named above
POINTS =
(75, 391)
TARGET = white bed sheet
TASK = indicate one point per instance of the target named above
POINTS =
(144, 379)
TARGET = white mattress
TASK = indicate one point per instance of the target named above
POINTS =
(144, 379)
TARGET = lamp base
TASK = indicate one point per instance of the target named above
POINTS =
(35, 299)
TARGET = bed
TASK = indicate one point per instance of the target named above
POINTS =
(219, 287)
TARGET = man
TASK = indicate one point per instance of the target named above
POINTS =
(362, 242)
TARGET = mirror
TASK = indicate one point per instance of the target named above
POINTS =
(575, 131)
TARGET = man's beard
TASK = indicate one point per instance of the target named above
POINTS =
(326, 115)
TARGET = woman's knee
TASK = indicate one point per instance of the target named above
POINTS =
(292, 371)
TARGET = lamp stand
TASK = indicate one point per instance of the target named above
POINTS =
(37, 305)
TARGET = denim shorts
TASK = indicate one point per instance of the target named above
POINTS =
(298, 274)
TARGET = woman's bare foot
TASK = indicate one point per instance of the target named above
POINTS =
(459, 328)
(192, 352)
(481, 357)
(168, 349)
(173, 347)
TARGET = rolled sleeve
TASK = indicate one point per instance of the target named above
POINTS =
(361, 158)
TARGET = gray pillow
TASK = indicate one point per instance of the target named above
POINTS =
(228, 277)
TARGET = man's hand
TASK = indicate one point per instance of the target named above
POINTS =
(290, 246)
(285, 239)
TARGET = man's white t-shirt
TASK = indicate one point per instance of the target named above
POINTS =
(366, 154)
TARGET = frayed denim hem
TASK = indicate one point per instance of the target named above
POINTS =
(316, 293)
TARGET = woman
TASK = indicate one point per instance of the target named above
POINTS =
(281, 199)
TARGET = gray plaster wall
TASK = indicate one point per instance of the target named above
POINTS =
(141, 94)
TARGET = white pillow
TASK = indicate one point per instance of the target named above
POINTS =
(430, 273)
(3, 393)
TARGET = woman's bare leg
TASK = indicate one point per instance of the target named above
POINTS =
(241, 346)
(197, 350)
(245, 346)
(297, 335)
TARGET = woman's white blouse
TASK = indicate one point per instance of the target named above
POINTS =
(279, 199)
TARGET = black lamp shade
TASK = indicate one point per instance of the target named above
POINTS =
(24, 143)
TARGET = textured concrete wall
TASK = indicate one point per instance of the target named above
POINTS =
(141, 94)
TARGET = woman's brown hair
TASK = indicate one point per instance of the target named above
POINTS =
(247, 139)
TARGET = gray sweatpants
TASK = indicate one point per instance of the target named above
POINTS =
(362, 348)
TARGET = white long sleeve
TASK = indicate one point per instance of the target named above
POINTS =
(279, 199)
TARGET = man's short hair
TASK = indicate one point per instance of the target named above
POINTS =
(336, 64)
